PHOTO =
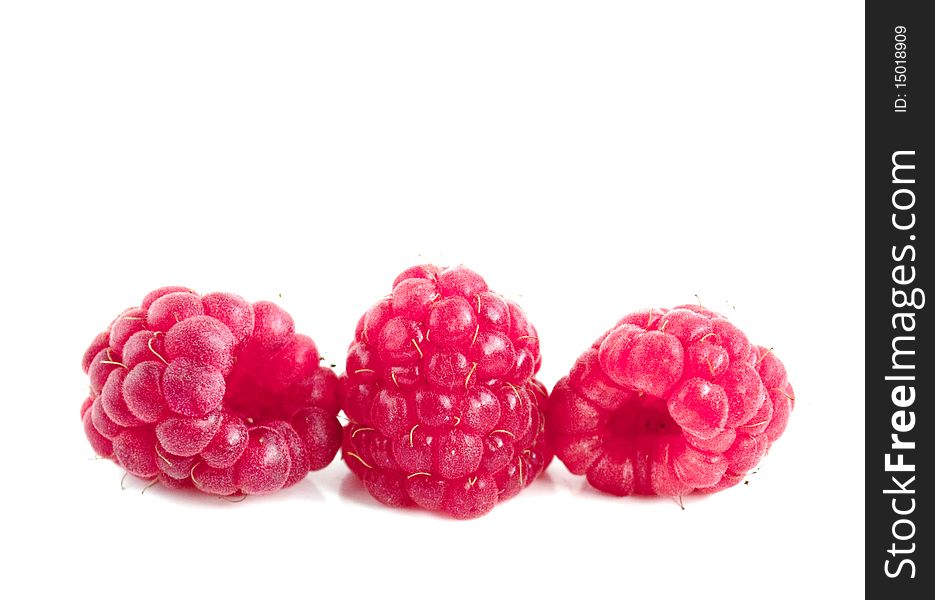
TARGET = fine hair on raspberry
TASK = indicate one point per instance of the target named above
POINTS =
(211, 393)
(444, 409)
(669, 402)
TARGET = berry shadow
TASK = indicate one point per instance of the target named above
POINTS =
(304, 490)
(579, 486)
(683, 502)
(544, 484)
(134, 486)
(307, 489)
(352, 490)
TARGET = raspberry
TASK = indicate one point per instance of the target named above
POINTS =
(669, 402)
(440, 393)
(210, 392)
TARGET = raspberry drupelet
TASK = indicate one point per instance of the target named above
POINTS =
(210, 392)
(439, 389)
(669, 402)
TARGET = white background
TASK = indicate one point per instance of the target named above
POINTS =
(587, 158)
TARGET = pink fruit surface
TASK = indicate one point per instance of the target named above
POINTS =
(439, 388)
(669, 402)
(210, 392)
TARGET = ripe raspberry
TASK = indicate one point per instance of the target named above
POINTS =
(439, 390)
(211, 392)
(669, 402)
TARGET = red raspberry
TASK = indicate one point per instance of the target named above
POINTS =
(211, 392)
(439, 390)
(669, 402)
